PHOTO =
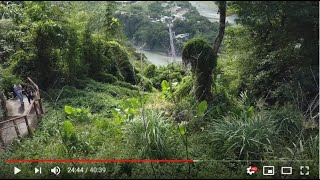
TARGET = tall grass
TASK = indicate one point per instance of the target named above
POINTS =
(153, 140)
(242, 136)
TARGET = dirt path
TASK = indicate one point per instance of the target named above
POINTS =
(15, 109)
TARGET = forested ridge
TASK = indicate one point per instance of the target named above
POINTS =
(243, 92)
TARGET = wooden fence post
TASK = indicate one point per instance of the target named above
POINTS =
(28, 126)
(40, 104)
(16, 128)
(36, 109)
(1, 139)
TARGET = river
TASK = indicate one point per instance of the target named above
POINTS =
(159, 58)
(209, 10)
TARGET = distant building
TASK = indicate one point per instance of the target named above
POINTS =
(166, 19)
(182, 36)
(178, 16)
(164, 4)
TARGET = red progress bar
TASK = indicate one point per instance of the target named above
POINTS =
(99, 161)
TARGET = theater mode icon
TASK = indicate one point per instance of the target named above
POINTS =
(286, 170)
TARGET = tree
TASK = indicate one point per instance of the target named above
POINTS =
(155, 9)
(199, 54)
(203, 58)
(222, 21)
(284, 49)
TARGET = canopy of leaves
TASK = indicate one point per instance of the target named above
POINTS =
(282, 40)
(199, 55)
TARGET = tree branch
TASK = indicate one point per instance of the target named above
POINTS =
(218, 40)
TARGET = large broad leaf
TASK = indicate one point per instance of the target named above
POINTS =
(164, 86)
(202, 107)
(182, 130)
(132, 111)
(68, 128)
(68, 110)
(117, 117)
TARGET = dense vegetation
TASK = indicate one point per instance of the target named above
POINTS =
(261, 100)
(140, 25)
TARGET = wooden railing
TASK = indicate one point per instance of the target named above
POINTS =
(36, 88)
(37, 102)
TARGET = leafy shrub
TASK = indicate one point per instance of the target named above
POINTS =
(184, 88)
(23, 63)
(72, 142)
(7, 80)
(166, 89)
(120, 56)
(126, 85)
(77, 114)
(170, 73)
(106, 78)
(145, 82)
(150, 71)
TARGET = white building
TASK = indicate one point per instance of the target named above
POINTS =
(182, 36)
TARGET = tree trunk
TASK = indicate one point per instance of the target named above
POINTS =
(218, 40)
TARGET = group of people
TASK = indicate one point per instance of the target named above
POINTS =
(19, 91)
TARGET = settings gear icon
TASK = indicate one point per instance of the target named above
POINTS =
(252, 169)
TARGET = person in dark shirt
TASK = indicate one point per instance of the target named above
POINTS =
(29, 93)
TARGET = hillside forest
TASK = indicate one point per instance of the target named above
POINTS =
(242, 92)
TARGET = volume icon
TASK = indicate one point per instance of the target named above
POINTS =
(56, 170)
(36, 170)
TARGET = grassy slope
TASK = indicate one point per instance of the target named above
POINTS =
(113, 141)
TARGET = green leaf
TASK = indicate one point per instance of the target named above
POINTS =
(251, 111)
(116, 117)
(79, 110)
(132, 111)
(68, 110)
(68, 128)
(182, 130)
(202, 107)
(164, 86)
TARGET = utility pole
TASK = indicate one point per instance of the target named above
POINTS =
(140, 48)
(173, 52)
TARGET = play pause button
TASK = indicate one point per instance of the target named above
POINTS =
(16, 170)
(37, 170)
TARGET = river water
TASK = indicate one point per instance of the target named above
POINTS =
(159, 58)
(207, 9)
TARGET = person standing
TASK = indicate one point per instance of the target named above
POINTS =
(18, 90)
(29, 94)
